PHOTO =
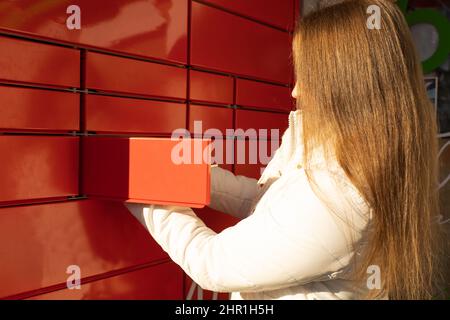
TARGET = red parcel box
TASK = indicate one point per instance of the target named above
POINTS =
(143, 170)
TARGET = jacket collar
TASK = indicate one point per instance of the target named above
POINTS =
(296, 137)
(296, 148)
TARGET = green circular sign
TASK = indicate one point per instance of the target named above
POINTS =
(442, 25)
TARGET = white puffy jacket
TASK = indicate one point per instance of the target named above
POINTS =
(292, 242)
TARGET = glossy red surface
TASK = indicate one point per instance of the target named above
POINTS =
(217, 221)
(275, 12)
(44, 110)
(223, 153)
(210, 87)
(216, 118)
(249, 170)
(126, 115)
(39, 242)
(26, 61)
(156, 29)
(263, 95)
(36, 167)
(238, 45)
(112, 73)
(252, 156)
(147, 170)
(163, 281)
(219, 119)
(242, 38)
(257, 121)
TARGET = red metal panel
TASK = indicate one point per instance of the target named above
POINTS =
(36, 167)
(113, 114)
(263, 95)
(210, 87)
(111, 73)
(32, 109)
(220, 119)
(251, 157)
(256, 122)
(142, 27)
(26, 61)
(249, 170)
(145, 170)
(218, 221)
(274, 12)
(225, 42)
(39, 242)
(163, 281)
(223, 153)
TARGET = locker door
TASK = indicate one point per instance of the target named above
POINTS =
(126, 115)
(262, 95)
(32, 109)
(26, 61)
(252, 156)
(225, 42)
(163, 281)
(210, 87)
(208, 118)
(261, 124)
(219, 119)
(117, 74)
(275, 12)
(147, 28)
(39, 243)
(38, 167)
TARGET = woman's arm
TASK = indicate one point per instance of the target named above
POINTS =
(232, 194)
(292, 239)
(235, 195)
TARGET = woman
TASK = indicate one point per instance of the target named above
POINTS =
(346, 208)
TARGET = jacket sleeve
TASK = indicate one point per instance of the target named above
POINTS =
(289, 240)
(232, 194)
(235, 194)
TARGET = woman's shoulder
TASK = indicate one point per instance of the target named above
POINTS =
(324, 184)
(323, 196)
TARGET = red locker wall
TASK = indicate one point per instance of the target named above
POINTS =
(134, 68)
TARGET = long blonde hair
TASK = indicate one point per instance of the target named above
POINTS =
(363, 96)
